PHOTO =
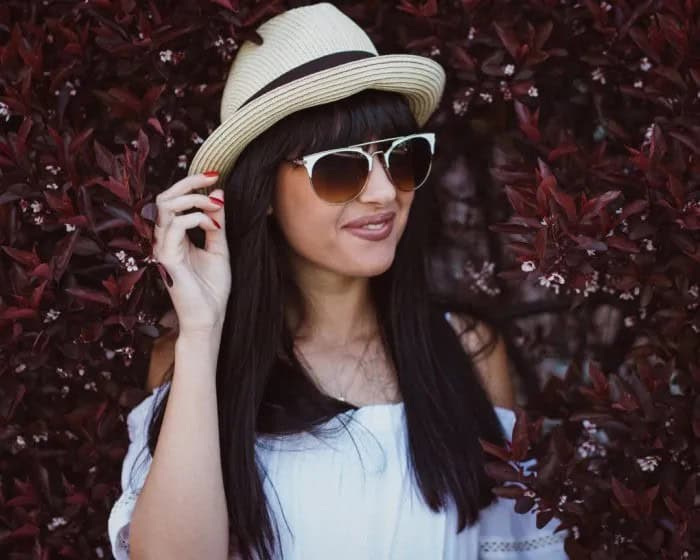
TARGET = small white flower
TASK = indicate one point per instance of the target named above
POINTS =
(166, 55)
(70, 435)
(43, 436)
(590, 252)
(52, 186)
(648, 244)
(127, 350)
(131, 265)
(70, 227)
(649, 464)
(53, 169)
(81, 371)
(486, 97)
(509, 69)
(606, 6)
(169, 141)
(38, 220)
(21, 443)
(56, 522)
(63, 373)
(179, 92)
(533, 91)
(20, 368)
(459, 107)
(589, 426)
(472, 33)
(36, 206)
(527, 266)
(645, 65)
(51, 315)
(121, 255)
(626, 296)
(196, 138)
(639, 84)
(64, 391)
(629, 321)
(434, 50)
(182, 161)
(4, 111)
(91, 386)
(598, 76)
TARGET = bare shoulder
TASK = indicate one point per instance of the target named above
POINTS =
(487, 350)
(162, 362)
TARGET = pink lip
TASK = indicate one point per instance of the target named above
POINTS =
(373, 234)
(375, 219)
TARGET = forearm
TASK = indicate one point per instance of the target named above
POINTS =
(181, 511)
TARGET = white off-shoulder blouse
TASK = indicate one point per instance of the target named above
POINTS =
(351, 497)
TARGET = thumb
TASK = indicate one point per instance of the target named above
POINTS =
(215, 239)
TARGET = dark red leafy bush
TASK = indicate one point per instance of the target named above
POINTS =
(570, 127)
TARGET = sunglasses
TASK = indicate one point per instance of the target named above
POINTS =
(338, 176)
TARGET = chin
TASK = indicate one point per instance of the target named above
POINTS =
(365, 265)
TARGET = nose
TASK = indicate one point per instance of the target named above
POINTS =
(379, 188)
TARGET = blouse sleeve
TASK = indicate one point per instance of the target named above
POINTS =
(505, 534)
(138, 459)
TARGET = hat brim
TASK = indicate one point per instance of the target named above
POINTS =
(420, 79)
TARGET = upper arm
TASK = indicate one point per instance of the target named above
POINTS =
(490, 360)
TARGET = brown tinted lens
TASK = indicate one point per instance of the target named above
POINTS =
(340, 176)
(409, 163)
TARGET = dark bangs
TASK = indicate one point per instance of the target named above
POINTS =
(353, 120)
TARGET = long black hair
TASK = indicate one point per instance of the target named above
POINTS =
(263, 389)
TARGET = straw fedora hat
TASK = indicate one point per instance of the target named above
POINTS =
(310, 55)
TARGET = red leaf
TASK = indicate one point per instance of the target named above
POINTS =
(428, 8)
(625, 497)
(598, 378)
(521, 436)
(502, 472)
(226, 4)
(24, 257)
(502, 453)
(519, 203)
(594, 206)
(90, 295)
(155, 123)
(509, 39)
(79, 140)
(622, 243)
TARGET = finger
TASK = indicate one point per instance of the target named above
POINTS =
(175, 235)
(187, 201)
(185, 185)
(215, 240)
(164, 201)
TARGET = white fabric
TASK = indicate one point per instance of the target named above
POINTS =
(352, 497)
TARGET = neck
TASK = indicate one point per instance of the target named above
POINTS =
(339, 310)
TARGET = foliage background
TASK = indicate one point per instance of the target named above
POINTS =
(568, 185)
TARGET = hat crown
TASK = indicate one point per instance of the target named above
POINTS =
(290, 39)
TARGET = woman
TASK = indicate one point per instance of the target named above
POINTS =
(321, 403)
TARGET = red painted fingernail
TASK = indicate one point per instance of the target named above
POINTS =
(217, 200)
(215, 222)
(211, 173)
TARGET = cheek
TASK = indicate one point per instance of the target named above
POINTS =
(308, 223)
